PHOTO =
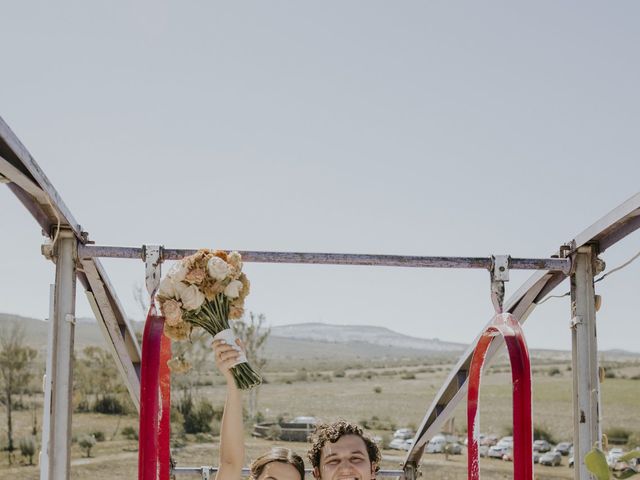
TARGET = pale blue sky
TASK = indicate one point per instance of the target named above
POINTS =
(424, 128)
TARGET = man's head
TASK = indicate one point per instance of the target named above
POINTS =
(341, 451)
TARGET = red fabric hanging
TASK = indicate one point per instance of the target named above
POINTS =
(155, 406)
(507, 326)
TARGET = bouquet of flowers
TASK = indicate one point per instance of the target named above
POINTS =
(206, 290)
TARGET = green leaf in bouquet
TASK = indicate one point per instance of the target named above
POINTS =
(630, 456)
(626, 473)
(596, 463)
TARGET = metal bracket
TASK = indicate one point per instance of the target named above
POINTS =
(499, 274)
(410, 471)
(152, 256)
(575, 321)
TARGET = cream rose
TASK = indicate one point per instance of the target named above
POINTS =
(191, 298)
(167, 290)
(195, 276)
(172, 312)
(217, 268)
(178, 288)
(178, 272)
(233, 289)
(235, 260)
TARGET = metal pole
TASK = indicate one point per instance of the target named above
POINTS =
(62, 367)
(552, 264)
(586, 387)
(46, 388)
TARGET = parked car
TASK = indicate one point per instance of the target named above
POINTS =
(407, 444)
(305, 420)
(489, 440)
(483, 439)
(397, 443)
(404, 433)
(497, 452)
(453, 448)
(483, 450)
(505, 442)
(551, 458)
(508, 457)
(436, 444)
(563, 448)
(541, 446)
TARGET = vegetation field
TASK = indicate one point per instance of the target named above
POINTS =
(383, 397)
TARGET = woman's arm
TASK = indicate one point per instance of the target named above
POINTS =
(232, 429)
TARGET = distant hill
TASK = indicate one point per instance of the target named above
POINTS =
(378, 336)
(312, 341)
(306, 341)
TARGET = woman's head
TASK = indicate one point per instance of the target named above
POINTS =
(278, 464)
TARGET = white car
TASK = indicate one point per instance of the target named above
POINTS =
(497, 452)
(505, 442)
(407, 444)
(436, 444)
(397, 443)
(404, 433)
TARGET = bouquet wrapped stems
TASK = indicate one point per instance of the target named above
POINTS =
(213, 317)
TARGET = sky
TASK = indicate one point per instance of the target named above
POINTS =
(411, 128)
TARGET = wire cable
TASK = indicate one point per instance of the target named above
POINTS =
(599, 279)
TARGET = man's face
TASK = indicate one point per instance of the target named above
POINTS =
(347, 459)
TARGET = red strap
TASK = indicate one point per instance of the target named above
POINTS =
(165, 413)
(155, 384)
(507, 326)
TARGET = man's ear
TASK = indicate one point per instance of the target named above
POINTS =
(374, 468)
(316, 473)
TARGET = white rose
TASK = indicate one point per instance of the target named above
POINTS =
(167, 289)
(218, 268)
(178, 288)
(191, 298)
(178, 272)
(233, 289)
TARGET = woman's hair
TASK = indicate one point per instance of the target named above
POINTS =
(277, 454)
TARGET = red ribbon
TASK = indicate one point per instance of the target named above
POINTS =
(155, 401)
(507, 326)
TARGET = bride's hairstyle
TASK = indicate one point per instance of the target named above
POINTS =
(277, 454)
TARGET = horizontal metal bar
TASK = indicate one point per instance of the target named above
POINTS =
(553, 264)
(246, 471)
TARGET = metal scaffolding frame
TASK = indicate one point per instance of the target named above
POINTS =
(70, 248)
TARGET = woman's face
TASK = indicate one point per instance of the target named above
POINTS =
(279, 471)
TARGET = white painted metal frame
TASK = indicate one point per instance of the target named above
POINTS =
(34, 190)
(59, 454)
(584, 361)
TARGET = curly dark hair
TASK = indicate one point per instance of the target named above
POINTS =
(331, 432)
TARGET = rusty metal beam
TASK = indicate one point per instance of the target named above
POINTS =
(554, 264)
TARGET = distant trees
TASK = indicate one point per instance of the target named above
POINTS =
(253, 334)
(97, 382)
(16, 359)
